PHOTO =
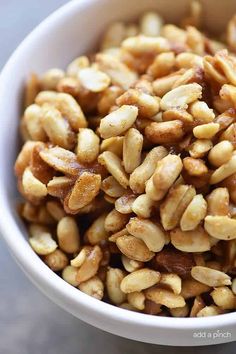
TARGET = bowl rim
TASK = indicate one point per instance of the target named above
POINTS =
(38, 272)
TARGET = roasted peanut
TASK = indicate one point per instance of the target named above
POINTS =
(57, 260)
(206, 131)
(224, 298)
(139, 280)
(90, 266)
(210, 277)
(165, 297)
(115, 221)
(114, 166)
(142, 206)
(41, 240)
(113, 281)
(88, 145)
(165, 132)
(221, 153)
(192, 288)
(68, 235)
(137, 300)
(96, 232)
(199, 148)
(171, 281)
(221, 227)
(130, 265)
(132, 148)
(209, 311)
(196, 240)
(218, 202)
(134, 248)
(93, 287)
(194, 213)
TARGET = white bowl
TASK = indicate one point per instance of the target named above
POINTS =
(70, 31)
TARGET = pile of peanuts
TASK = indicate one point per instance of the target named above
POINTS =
(128, 168)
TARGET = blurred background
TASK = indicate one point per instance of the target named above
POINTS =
(29, 322)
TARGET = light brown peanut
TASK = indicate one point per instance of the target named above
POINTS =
(132, 148)
(93, 287)
(143, 205)
(139, 280)
(210, 277)
(68, 235)
(134, 248)
(90, 266)
(221, 227)
(41, 240)
(113, 281)
(115, 221)
(218, 202)
(165, 297)
(88, 145)
(196, 240)
(114, 166)
(194, 213)
(69, 274)
(57, 260)
(164, 132)
(137, 300)
(224, 298)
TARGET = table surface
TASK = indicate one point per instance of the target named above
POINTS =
(29, 322)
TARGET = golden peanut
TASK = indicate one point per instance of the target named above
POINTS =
(165, 297)
(164, 132)
(209, 311)
(114, 144)
(124, 203)
(81, 257)
(198, 305)
(69, 274)
(221, 227)
(143, 205)
(55, 209)
(113, 281)
(224, 298)
(181, 96)
(194, 213)
(118, 121)
(162, 65)
(93, 287)
(96, 232)
(224, 171)
(114, 35)
(206, 131)
(225, 63)
(57, 260)
(76, 65)
(130, 265)
(90, 266)
(115, 221)
(151, 233)
(174, 205)
(132, 148)
(196, 240)
(41, 240)
(23, 159)
(143, 172)
(69, 85)
(173, 33)
(114, 166)
(139, 280)
(93, 80)
(108, 99)
(180, 311)
(134, 248)
(192, 288)
(171, 281)
(210, 277)
(194, 167)
(178, 114)
(33, 186)
(137, 300)
(68, 235)
(229, 135)
(201, 112)
(88, 145)
(141, 45)
(167, 171)
(33, 122)
(84, 191)
(150, 24)
(112, 188)
(50, 78)
(221, 153)
(218, 202)
(60, 159)
(199, 148)
(59, 186)
(188, 60)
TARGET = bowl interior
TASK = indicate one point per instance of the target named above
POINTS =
(73, 30)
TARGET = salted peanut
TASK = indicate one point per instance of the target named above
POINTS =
(143, 172)
(41, 240)
(190, 241)
(211, 71)
(206, 131)
(228, 94)
(29, 212)
(132, 148)
(76, 65)
(173, 33)
(57, 260)
(198, 305)
(55, 209)
(225, 63)
(112, 188)
(81, 256)
(32, 88)
(233, 286)
(124, 204)
(166, 172)
(139, 280)
(150, 24)
(90, 266)
(118, 121)
(180, 311)
(33, 122)
(114, 167)
(165, 132)
(69, 274)
(57, 128)
(115, 221)
(134, 248)
(178, 114)
(195, 40)
(84, 191)
(199, 148)
(93, 80)
(131, 265)
(59, 186)
(66, 104)
(224, 171)
(181, 96)
(113, 280)
(151, 233)
(174, 205)
(229, 135)
(50, 78)
(165, 297)
(96, 232)
(189, 76)
(230, 184)
(147, 105)
(194, 167)
(24, 157)
(33, 186)
(209, 311)
(114, 35)
(88, 145)
(137, 300)
(201, 112)
(192, 288)
(162, 65)
(171, 281)
(188, 60)
(68, 235)
(93, 287)
(69, 85)
(210, 277)
(224, 298)
(221, 153)
(114, 144)
(218, 202)
(108, 99)
(119, 73)
(194, 213)
(143, 45)
(221, 227)
(164, 84)
(143, 205)
(128, 306)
